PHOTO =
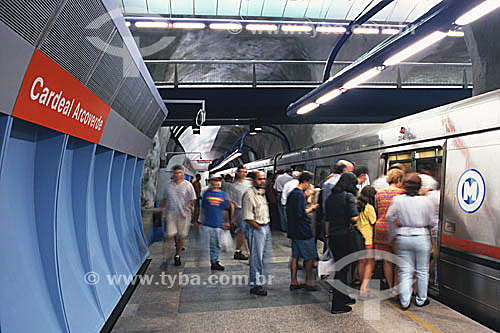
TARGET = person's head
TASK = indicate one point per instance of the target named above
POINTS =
(428, 168)
(395, 177)
(252, 175)
(296, 174)
(289, 171)
(198, 177)
(412, 183)
(241, 172)
(228, 178)
(347, 183)
(361, 173)
(215, 183)
(306, 177)
(178, 173)
(260, 180)
(367, 195)
(398, 166)
(349, 167)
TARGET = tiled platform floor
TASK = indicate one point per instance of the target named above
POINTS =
(163, 306)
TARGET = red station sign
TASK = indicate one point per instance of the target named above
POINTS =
(53, 98)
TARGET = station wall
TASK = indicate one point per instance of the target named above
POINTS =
(69, 207)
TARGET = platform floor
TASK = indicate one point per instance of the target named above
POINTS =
(162, 306)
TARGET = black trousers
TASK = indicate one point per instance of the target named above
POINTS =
(340, 249)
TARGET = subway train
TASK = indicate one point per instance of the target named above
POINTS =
(462, 141)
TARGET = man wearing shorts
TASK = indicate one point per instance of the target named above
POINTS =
(178, 201)
(300, 232)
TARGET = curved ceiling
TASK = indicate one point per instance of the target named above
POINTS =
(337, 10)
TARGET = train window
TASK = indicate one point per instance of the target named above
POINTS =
(320, 174)
(423, 160)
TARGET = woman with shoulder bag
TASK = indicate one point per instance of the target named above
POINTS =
(341, 213)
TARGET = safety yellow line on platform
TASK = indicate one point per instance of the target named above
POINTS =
(417, 319)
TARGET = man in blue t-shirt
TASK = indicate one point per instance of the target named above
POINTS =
(300, 232)
(214, 218)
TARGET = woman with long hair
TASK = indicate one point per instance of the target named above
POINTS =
(367, 218)
(341, 213)
(383, 238)
(412, 217)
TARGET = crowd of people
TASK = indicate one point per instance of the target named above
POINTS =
(395, 215)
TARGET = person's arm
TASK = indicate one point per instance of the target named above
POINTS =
(370, 214)
(248, 211)
(226, 220)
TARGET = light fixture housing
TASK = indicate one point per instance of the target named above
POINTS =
(226, 26)
(261, 27)
(362, 78)
(365, 31)
(455, 33)
(153, 24)
(477, 12)
(390, 31)
(329, 96)
(296, 28)
(189, 25)
(415, 48)
(234, 155)
(307, 108)
(328, 29)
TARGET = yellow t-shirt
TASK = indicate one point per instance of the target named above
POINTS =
(367, 219)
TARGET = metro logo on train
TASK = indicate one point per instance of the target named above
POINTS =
(52, 97)
(471, 190)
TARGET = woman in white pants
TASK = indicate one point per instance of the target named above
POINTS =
(412, 216)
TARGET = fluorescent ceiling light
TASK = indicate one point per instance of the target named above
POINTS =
(415, 48)
(365, 31)
(390, 31)
(225, 26)
(296, 28)
(307, 108)
(189, 25)
(455, 33)
(477, 12)
(331, 29)
(329, 96)
(152, 24)
(228, 159)
(370, 74)
(262, 27)
(258, 128)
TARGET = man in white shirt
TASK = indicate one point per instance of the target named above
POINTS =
(280, 182)
(289, 186)
(178, 202)
(256, 216)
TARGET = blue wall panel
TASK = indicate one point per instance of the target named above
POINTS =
(29, 283)
(83, 311)
(108, 232)
(68, 207)
(118, 208)
(136, 204)
(99, 245)
(132, 236)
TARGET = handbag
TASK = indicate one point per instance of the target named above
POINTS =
(356, 239)
(326, 265)
(157, 233)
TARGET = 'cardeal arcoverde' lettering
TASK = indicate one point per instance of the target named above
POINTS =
(57, 102)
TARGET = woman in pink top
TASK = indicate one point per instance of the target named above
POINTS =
(382, 238)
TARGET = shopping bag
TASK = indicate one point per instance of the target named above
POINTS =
(157, 233)
(226, 241)
(326, 266)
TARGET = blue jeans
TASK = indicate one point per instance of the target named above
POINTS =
(259, 242)
(415, 252)
(211, 239)
(282, 213)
